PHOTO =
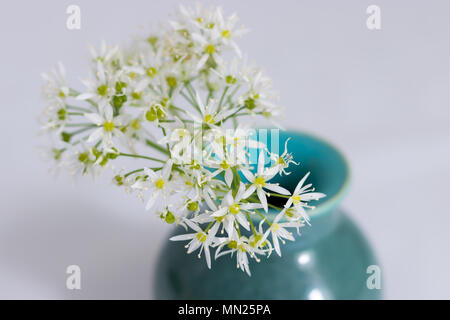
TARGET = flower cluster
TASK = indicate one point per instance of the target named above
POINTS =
(180, 92)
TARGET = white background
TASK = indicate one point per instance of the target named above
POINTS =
(382, 96)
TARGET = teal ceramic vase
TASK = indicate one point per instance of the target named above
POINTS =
(328, 261)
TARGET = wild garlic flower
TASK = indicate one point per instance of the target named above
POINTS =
(178, 103)
(259, 182)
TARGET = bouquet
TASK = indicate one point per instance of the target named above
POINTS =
(175, 100)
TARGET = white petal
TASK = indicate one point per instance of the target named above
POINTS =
(95, 135)
(261, 159)
(220, 212)
(312, 196)
(212, 232)
(229, 225)
(207, 256)
(167, 169)
(94, 118)
(109, 112)
(276, 244)
(151, 202)
(228, 199)
(299, 185)
(228, 177)
(243, 221)
(240, 192)
(85, 96)
(248, 175)
(193, 225)
(194, 246)
(277, 189)
(249, 191)
(262, 198)
(184, 237)
(251, 206)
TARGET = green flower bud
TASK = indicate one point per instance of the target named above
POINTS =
(170, 218)
(102, 90)
(65, 136)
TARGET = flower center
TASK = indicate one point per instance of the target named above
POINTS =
(232, 244)
(209, 119)
(275, 226)
(296, 199)
(171, 81)
(170, 218)
(234, 208)
(159, 183)
(220, 219)
(136, 124)
(201, 236)
(62, 114)
(230, 79)
(226, 34)
(83, 157)
(192, 206)
(108, 126)
(102, 90)
(210, 49)
(260, 181)
(256, 239)
(289, 213)
(151, 72)
(224, 165)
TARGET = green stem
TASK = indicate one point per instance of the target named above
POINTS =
(263, 217)
(80, 125)
(232, 115)
(188, 99)
(279, 195)
(80, 131)
(191, 93)
(209, 226)
(156, 146)
(221, 98)
(140, 170)
(251, 223)
(78, 108)
(142, 157)
(132, 172)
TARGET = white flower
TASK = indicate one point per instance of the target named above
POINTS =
(259, 182)
(55, 115)
(279, 232)
(199, 239)
(82, 161)
(157, 184)
(300, 197)
(228, 31)
(207, 49)
(105, 54)
(102, 88)
(56, 87)
(241, 246)
(283, 161)
(232, 210)
(209, 113)
(108, 126)
(224, 165)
